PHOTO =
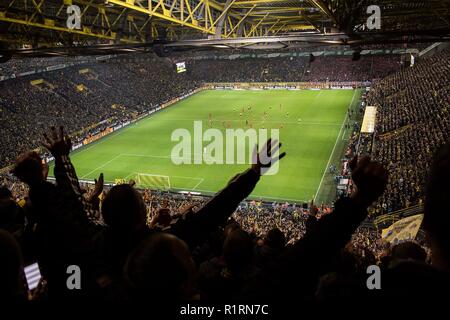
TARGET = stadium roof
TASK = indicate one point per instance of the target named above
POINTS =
(37, 23)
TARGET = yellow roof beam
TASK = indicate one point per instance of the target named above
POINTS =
(244, 2)
(240, 21)
(294, 27)
(224, 11)
(128, 4)
(49, 26)
(166, 11)
(252, 30)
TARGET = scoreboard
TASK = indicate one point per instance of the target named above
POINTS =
(181, 67)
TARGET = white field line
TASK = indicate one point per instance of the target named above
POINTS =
(203, 156)
(156, 156)
(144, 156)
(101, 140)
(102, 166)
(195, 187)
(258, 196)
(276, 198)
(200, 180)
(129, 175)
(332, 151)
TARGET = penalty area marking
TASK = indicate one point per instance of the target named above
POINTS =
(200, 180)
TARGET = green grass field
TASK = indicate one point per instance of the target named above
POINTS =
(312, 144)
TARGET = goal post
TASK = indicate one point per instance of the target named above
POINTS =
(152, 181)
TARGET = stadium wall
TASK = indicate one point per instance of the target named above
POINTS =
(286, 85)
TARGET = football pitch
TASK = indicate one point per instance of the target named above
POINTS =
(311, 126)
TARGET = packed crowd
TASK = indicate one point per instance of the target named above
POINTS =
(139, 244)
(413, 119)
(248, 70)
(293, 69)
(81, 98)
(254, 216)
(16, 66)
(344, 69)
(193, 249)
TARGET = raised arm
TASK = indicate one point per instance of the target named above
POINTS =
(305, 260)
(193, 227)
(60, 146)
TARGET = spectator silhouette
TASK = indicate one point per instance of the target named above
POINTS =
(11, 269)
(160, 268)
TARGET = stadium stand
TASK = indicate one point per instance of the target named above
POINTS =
(221, 247)
(294, 69)
(413, 120)
(98, 211)
(80, 100)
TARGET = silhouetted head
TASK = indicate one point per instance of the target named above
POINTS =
(275, 239)
(29, 168)
(10, 267)
(238, 250)
(124, 209)
(408, 251)
(229, 228)
(5, 193)
(436, 220)
(10, 213)
(160, 267)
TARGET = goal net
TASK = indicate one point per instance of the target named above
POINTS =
(152, 181)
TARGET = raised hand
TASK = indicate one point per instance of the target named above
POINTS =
(188, 208)
(162, 218)
(58, 144)
(98, 189)
(263, 160)
(370, 178)
(45, 168)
